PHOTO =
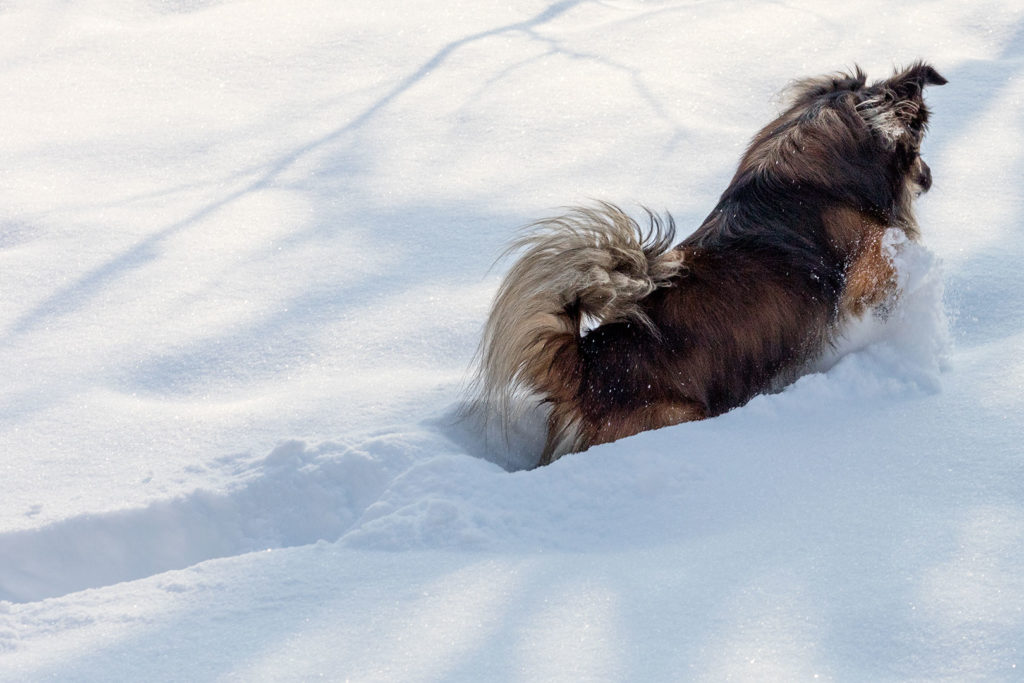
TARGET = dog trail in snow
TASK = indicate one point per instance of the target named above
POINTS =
(297, 495)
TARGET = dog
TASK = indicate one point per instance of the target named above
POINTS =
(618, 331)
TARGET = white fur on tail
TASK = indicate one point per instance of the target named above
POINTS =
(592, 264)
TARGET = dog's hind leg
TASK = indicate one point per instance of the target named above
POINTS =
(566, 435)
(651, 416)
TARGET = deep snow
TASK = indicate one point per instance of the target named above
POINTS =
(244, 257)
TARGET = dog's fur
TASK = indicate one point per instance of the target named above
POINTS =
(619, 332)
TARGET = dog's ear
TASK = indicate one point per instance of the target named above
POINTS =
(910, 82)
(895, 109)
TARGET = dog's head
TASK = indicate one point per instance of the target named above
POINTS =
(856, 142)
(895, 110)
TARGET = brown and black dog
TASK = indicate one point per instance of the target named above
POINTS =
(619, 332)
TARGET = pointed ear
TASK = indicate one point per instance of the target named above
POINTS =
(895, 108)
(911, 81)
(930, 76)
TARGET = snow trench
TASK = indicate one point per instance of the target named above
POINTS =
(296, 496)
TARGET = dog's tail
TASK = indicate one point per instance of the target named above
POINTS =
(590, 266)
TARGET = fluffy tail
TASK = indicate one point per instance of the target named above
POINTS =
(591, 265)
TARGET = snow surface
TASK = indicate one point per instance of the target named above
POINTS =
(244, 252)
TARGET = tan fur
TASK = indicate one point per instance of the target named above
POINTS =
(871, 277)
(567, 431)
(654, 416)
(871, 280)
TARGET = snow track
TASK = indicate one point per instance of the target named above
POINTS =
(295, 496)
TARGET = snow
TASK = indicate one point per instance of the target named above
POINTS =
(246, 253)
